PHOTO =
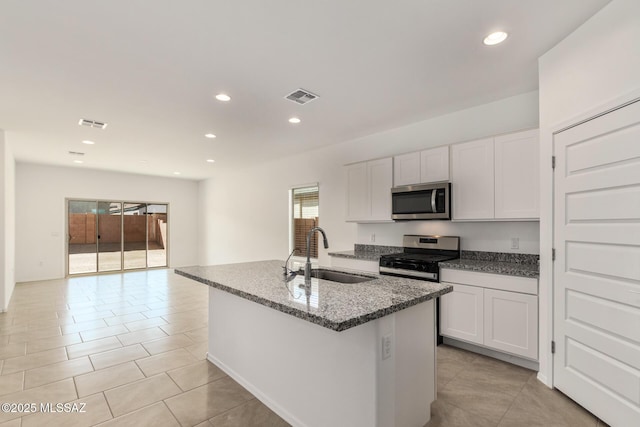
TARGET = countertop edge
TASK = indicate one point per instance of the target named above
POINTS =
(335, 326)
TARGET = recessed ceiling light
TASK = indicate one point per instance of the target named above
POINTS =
(78, 161)
(209, 135)
(223, 97)
(294, 120)
(176, 173)
(495, 38)
(210, 161)
(86, 141)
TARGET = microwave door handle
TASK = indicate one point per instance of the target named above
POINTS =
(433, 200)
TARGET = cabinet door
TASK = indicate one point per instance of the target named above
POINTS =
(406, 169)
(461, 313)
(472, 179)
(517, 175)
(380, 182)
(511, 322)
(357, 192)
(434, 164)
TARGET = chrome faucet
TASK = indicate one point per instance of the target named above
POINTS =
(307, 266)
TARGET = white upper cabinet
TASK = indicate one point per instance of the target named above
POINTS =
(380, 183)
(421, 167)
(473, 182)
(517, 175)
(357, 191)
(496, 178)
(369, 191)
(406, 169)
(434, 164)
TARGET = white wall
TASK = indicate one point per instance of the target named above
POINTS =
(592, 69)
(40, 223)
(483, 236)
(246, 211)
(7, 222)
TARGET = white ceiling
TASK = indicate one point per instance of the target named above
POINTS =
(151, 68)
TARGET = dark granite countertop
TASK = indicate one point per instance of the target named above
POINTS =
(365, 256)
(367, 252)
(523, 265)
(336, 306)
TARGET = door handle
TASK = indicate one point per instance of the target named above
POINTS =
(433, 200)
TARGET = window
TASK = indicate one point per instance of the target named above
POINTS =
(304, 216)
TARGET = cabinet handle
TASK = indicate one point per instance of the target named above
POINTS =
(433, 200)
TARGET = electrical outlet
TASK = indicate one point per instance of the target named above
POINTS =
(386, 347)
(515, 243)
(372, 237)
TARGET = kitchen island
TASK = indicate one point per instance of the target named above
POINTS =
(339, 354)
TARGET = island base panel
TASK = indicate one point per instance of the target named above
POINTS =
(313, 376)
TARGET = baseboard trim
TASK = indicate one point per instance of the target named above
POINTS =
(275, 407)
(509, 358)
(544, 380)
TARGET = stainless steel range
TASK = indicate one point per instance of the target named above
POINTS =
(420, 259)
(421, 256)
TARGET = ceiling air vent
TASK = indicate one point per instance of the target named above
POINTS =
(92, 123)
(76, 153)
(301, 96)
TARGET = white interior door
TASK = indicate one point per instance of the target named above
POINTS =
(597, 268)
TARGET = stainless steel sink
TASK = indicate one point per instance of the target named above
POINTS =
(338, 276)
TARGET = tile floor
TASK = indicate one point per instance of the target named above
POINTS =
(478, 391)
(130, 347)
(129, 350)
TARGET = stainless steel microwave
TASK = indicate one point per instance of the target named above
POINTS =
(421, 201)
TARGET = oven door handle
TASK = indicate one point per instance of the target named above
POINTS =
(434, 192)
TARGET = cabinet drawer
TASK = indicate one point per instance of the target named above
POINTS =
(525, 285)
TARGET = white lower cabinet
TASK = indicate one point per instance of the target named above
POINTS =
(495, 311)
(511, 322)
(462, 313)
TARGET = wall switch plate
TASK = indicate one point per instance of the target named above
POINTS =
(372, 237)
(515, 243)
(386, 347)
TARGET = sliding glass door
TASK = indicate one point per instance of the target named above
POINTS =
(83, 232)
(109, 236)
(157, 235)
(115, 236)
(135, 235)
